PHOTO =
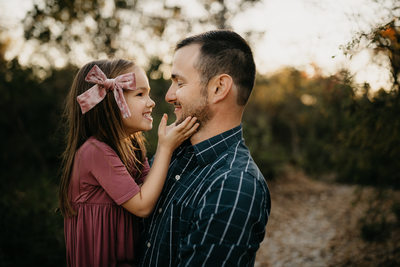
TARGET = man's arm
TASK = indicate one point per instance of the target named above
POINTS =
(228, 224)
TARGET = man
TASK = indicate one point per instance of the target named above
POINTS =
(215, 203)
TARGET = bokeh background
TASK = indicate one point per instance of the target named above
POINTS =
(323, 122)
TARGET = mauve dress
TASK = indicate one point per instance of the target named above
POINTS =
(102, 233)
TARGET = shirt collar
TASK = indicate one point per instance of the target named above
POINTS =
(208, 150)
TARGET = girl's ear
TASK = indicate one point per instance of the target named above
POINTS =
(220, 87)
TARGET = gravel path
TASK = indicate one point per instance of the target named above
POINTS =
(310, 223)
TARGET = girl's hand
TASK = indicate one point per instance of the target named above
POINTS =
(169, 138)
(172, 136)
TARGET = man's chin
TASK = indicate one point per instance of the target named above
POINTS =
(178, 121)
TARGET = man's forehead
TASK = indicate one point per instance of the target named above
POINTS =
(185, 59)
(187, 54)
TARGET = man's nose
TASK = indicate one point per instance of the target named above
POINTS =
(170, 97)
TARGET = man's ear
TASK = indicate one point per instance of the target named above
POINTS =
(220, 87)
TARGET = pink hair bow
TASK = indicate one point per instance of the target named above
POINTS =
(96, 94)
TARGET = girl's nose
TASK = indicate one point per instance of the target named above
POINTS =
(151, 103)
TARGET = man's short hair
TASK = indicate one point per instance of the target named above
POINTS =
(224, 51)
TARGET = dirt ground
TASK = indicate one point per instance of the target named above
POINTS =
(319, 224)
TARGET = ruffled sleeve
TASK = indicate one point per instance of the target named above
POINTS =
(108, 169)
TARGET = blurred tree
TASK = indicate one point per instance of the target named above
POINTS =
(31, 231)
(159, 87)
(382, 39)
(80, 30)
(321, 125)
(371, 145)
(301, 120)
(387, 41)
(368, 150)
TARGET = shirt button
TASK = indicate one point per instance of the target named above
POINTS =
(148, 244)
(177, 177)
(159, 210)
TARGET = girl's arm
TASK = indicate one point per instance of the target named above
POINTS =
(169, 138)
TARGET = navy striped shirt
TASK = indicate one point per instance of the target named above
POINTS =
(213, 209)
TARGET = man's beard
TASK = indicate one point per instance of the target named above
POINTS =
(202, 112)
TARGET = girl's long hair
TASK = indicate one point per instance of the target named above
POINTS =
(104, 122)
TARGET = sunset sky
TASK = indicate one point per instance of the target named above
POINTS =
(298, 33)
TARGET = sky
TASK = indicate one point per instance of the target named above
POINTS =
(298, 33)
(301, 33)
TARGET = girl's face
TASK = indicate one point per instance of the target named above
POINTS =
(139, 103)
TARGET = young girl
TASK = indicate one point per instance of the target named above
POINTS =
(106, 176)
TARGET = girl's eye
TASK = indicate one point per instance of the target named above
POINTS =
(140, 94)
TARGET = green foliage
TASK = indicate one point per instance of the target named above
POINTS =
(370, 152)
(159, 88)
(269, 155)
(384, 42)
(375, 231)
(56, 23)
(96, 28)
(396, 211)
(323, 126)
(31, 231)
(298, 117)
(378, 223)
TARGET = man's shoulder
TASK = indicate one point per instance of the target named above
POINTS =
(243, 182)
(239, 160)
(237, 166)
